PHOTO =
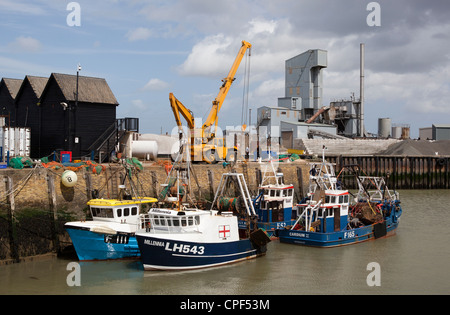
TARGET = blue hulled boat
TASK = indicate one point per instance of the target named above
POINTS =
(330, 216)
(111, 233)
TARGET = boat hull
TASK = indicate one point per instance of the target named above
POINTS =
(270, 228)
(95, 246)
(165, 254)
(340, 238)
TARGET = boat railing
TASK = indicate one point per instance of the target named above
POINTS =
(381, 191)
(308, 214)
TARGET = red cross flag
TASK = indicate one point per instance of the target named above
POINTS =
(224, 231)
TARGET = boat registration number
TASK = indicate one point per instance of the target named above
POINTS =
(349, 234)
(185, 248)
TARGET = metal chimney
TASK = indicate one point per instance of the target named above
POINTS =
(361, 91)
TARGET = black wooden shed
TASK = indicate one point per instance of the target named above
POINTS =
(72, 121)
(27, 109)
(8, 91)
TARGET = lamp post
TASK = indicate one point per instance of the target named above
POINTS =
(73, 131)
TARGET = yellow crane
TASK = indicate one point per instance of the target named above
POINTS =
(211, 149)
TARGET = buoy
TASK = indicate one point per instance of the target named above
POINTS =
(69, 178)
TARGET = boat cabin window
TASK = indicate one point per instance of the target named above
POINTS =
(168, 221)
(290, 192)
(272, 193)
(278, 193)
(341, 199)
(126, 212)
(102, 212)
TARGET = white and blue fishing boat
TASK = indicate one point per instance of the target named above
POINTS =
(274, 203)
(328, 218)
(185, 238)
(111, 233)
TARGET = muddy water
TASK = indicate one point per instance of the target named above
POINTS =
(414, 261)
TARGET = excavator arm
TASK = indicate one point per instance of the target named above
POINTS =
(178, 108)
(218, 101)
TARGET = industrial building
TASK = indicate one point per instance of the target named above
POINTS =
(303, 82)
(292, 118)
(441, 131)
(301, 119)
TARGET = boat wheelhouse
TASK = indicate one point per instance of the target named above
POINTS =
(111, 233)
(274, 203)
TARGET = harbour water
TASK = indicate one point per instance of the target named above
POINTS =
(414, 261)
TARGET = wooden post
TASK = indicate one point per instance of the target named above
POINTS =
(154, 183)
(52, 206)
(13, 243)
(88, 180)
(301, 193)
(211, 184)
(258, 177)
(446, 173)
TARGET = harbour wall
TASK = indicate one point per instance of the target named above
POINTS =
(401, 172)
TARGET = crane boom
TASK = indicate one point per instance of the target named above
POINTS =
(218, 101)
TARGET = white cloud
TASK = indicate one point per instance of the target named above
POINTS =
(155, 85)
(139, 104)
(22, 8)
(25, 44)
(209, 57)
(258, 26)
(140, 33)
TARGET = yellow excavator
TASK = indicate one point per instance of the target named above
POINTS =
(204, 144)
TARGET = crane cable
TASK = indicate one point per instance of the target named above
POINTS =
(246, 89)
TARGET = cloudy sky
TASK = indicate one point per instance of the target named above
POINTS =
(146, 49)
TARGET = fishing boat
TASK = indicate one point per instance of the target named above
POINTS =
(331, 216)
(180, 237)
(111, 233)
(274, 202)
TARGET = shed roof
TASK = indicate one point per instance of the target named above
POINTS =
(13, 85)
(90, 89)
(37, 84)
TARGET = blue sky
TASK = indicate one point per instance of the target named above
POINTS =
(147, 49)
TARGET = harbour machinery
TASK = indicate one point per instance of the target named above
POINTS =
(204, 144)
